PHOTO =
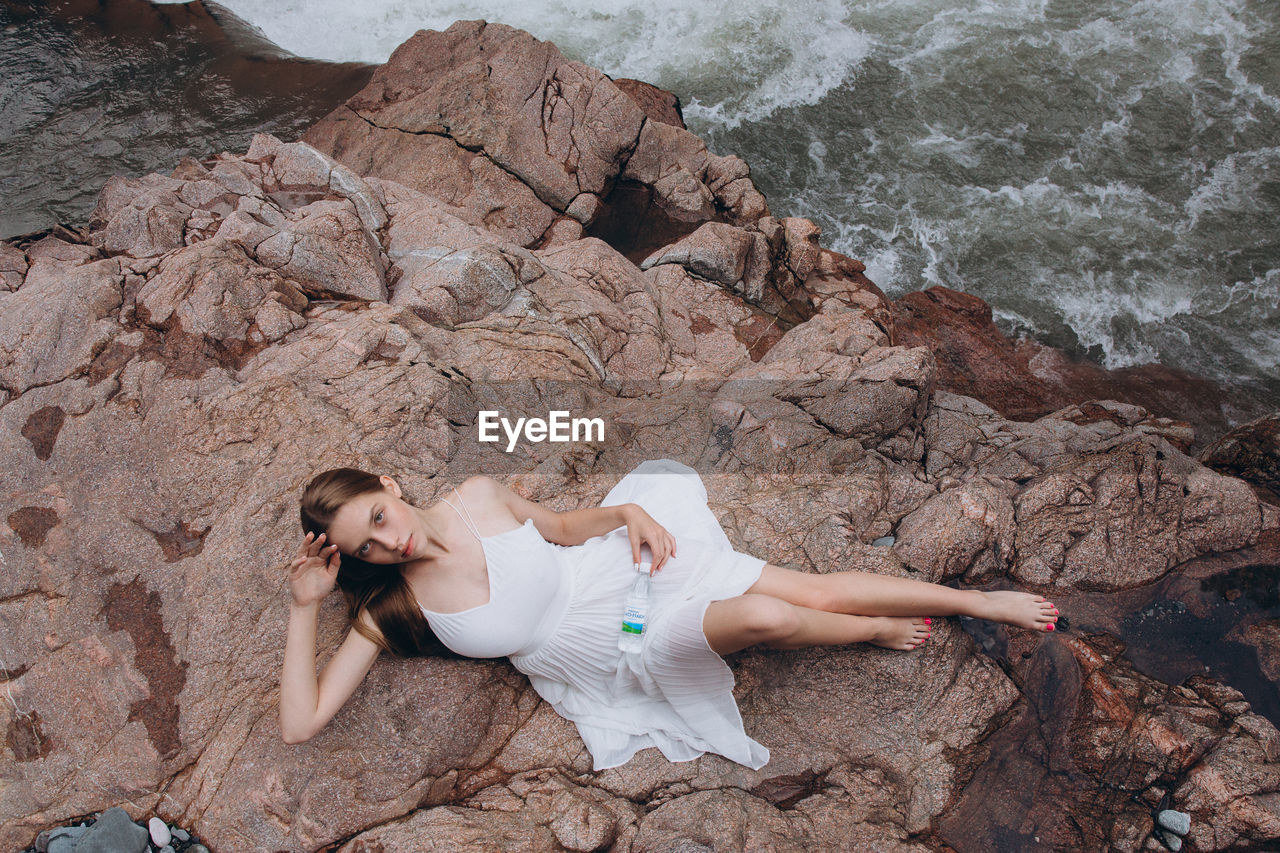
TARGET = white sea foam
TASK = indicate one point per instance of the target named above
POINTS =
(1231, 186)
(734, 60)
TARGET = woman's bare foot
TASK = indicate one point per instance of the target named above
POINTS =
(1020, 609)
(903, 633)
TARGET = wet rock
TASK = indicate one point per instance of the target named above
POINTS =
(1025, 380)
(1264, 636)
(658, 105)
(1251, 452)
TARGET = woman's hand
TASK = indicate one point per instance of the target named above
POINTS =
(642, 528)
(314, 570)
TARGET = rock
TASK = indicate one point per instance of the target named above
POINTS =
(570, 139)
(967, 531)
(1174, 821)
(13, 267)
(1122, 517)
(514, 160)
(216, 294)
(716, 252)
(64, 842)
(142, 218)
(658, 105)
(1251, 452)
(1264, 636)
(328, 251)
(181, 834)
(159, 831)
(114, 832)
(1025, 380)
(345, 302)
(61, 318)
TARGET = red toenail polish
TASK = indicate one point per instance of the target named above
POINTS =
(928, 621)
(1049, 627)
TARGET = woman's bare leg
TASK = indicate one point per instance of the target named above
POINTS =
(864, 594)
(733, 624)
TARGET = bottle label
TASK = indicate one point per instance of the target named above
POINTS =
(633, 620)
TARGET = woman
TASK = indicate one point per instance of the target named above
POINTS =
(488, 573)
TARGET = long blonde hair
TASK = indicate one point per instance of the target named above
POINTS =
(381, 590)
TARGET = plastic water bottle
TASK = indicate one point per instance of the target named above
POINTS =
(636, 612)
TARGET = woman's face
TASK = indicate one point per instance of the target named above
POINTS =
(377, 527)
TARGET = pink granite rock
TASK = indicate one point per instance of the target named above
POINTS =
(459, 237)
(57, 322)
(13, 267)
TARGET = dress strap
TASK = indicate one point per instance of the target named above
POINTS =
(464, 514)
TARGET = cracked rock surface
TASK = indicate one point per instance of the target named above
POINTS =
(451, 240)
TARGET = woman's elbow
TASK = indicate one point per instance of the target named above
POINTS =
(294, 736)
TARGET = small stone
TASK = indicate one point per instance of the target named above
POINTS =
(42, 842)
(181, 834)
(168, 848)
(884, 542)
(64, 838)
(1173, 842)
(114, 832)
(1174, 821)
(159, 831)
(197, 848)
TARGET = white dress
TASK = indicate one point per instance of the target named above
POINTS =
(556, 612)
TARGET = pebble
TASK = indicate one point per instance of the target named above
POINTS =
(1173, 842)
(1174, 821)
(159, 831)
(63, 839)
(113, 831)
(884, 541)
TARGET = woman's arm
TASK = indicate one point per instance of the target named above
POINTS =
(563, 528)
(577, 526)
(307, 705)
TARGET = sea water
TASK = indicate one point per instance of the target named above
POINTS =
(1105, 174)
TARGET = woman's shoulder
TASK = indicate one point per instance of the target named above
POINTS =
(480, 492)
(479, 485)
